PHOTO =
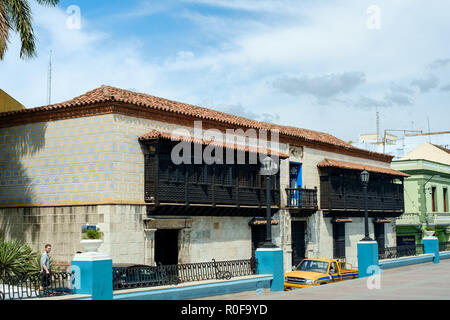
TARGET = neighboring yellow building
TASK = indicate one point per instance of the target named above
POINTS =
(8, 103)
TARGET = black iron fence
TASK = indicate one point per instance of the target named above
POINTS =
(444, 246)
(20, 287)
(400, 251)
(139, 276)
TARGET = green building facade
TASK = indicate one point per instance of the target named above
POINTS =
(426, 194)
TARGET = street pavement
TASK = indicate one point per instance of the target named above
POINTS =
(426, 281)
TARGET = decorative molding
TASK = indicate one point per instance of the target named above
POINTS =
(296, 152)
(74, 204)
(168, 223)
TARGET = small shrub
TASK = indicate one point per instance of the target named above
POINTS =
(93, 234)
(17, 258)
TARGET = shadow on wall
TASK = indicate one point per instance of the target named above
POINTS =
(19, 175)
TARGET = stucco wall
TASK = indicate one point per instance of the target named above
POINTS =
(59, 226)
(220, 238)
(354, 232)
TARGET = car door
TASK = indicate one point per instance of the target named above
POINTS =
(334, 272)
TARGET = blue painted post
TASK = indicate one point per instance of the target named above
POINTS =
(93, 275)
(367, 257)
(270, 261)
(431, 245)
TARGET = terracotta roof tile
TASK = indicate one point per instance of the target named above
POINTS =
(155, 135)
(327, 163)
(112, 94)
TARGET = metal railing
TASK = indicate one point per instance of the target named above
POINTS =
(149, 276)
(300, 198)
(400, 251)
(444, 246)
(21, 287)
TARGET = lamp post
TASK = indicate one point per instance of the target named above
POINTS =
(268, 168)
(365, 181)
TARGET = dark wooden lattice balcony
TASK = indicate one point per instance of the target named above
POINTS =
(341, 191)
(206, 186)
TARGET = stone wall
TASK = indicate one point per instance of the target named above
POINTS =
(126, 238)
(59, 226)
(220, 238)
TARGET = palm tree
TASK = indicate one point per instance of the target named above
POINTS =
(15, 15)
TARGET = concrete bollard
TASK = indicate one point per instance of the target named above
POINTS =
(270, 261)
(93, 275)
(431, 245)
(367, 257)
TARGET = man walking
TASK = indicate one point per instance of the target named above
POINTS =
(45, 267)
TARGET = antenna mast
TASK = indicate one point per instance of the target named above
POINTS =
(49, 80)
(378, 125)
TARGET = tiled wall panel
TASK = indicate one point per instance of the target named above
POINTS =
(60, 162)
(91, 160)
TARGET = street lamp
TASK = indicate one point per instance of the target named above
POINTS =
(365, 181)
(268, 168)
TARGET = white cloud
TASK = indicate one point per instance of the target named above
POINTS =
(321, 86)
(439, 63)
(234, 60)
(425, 85)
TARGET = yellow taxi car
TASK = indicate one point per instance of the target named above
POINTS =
(315, 272)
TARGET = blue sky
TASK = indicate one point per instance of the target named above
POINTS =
(319, 65)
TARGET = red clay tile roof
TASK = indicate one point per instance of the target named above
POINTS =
(155, 135)
(327, 163)
(112, 94)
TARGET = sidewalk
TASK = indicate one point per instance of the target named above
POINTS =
(426, 281)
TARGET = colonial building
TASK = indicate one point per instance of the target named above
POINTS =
(106, 158)
(426, 193)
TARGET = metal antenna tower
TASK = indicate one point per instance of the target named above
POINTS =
(378, 125)
(49, 80)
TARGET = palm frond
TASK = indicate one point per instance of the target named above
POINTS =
(48, 2)
(16, 15)
(5, 25)
(20, 14)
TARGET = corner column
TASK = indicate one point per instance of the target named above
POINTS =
(367, 257)
(270, 261)
(149, 247)
(431, 245)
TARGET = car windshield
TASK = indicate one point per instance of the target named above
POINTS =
(313, 266)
